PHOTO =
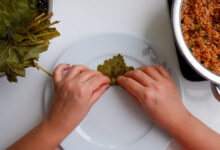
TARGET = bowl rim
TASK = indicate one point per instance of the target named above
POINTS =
(183, 48)
(50, 6)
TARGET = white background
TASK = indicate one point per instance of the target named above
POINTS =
(21, 104)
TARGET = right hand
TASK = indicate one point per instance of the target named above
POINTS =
(156, 93)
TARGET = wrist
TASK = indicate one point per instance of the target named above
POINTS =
(179, 123)
(54, 129)
(63, 125)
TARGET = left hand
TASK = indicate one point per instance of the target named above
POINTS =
(74, 94)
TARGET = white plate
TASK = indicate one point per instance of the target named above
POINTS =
(115, 121)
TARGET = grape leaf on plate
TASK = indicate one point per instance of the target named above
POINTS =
(114, 67)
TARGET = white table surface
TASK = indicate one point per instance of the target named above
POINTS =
(21, 104)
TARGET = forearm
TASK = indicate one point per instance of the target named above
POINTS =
(192, 134)
(44, 137)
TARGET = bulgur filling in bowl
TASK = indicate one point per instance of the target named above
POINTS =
(200, 21)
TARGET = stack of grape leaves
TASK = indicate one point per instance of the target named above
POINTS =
(24, 34)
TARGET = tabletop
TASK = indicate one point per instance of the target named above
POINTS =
(21, 104)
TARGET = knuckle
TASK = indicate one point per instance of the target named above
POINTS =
(161, 87)
(68, 87)
(89, 72)
(73, 66)
(80, 91)
(59, 66)
(55, 72)
(149, 97)
(148, 68)
(160, 67)
(82, 66)
(78, 67)
(155, 85)
(64, 89)
(146, 94)
(137, 72)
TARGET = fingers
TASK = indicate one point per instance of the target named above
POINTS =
(98, 93)
(58, 72)
(163, 71)
(132, 86)
(86, 75)
(96, 81)
(151, 72)
(74, 71)
(140, 77)
(135, 99)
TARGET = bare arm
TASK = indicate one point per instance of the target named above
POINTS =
(44, 137)
(195, 135)
(74, 95)
(156, 93)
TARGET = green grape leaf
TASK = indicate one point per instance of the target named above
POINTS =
(114, 67)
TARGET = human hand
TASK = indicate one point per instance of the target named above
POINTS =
(156, 93)
(74, 95)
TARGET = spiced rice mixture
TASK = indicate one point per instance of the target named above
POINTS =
(200, 21)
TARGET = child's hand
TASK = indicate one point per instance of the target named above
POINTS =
(74, 95)
(156, 92)
(152, 88)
